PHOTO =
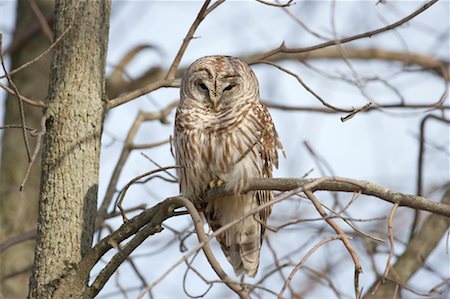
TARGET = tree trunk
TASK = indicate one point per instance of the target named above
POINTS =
(70, 162)
(18, 210)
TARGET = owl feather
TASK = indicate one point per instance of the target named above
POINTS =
(224, 134)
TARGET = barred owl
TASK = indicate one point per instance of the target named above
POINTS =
(224, 135)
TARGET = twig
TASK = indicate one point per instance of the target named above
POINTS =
(127, 148)
(350, 185)
(391, 240)
(302, 24)
(352, 112)
(283, 49)
(303, 260)
(420, 165)
(201, 15)
(152, 218)
(25, 236)
(148, 145)
(279, 267)
(208, 252)
(25, 99)
(17, 272)
(140, 92)
(21, 109)
(368, 109)
(41, 20)
(336, 228)
(39, 134)
(168, 81)
(159, 165)
(306, 87)
(127, 186)
(289, 3)
(416, 252)
(58, 39)
(185, 276)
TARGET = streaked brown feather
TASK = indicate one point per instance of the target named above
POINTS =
(234, 144)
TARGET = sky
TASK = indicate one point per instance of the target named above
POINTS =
(380, 146)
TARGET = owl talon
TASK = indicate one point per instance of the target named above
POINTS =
(212, 184)
(215, 184)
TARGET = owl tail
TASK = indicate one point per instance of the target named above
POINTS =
(241, 243)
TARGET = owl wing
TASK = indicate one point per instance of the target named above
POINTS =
(270, 144)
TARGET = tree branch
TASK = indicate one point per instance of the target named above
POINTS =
(350, 185)
(150, 220)
(412, 259)
(283, 49)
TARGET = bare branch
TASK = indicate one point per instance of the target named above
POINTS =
(303, 260)
(28, 235)
(289, 3)
(17, 94)
(128, 147)
(25, 99)
(149, 221)
(56, 42)
(41, 20)
(201, 15)
(283, 49)
(412, 259)
(368, 109)
(39, 134)
(340, 233)
(422, 148)
(140, 92)
(306, 87)
(349, 185)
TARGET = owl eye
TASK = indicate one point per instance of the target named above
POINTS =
(203, 86)
(229, 87)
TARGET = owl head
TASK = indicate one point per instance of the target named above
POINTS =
(215, 83)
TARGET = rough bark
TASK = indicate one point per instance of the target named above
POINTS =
(18, 210)
(70, 161)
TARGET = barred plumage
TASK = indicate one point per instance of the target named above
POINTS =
(223, 133)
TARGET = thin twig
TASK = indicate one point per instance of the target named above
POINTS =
(303, 260)
(349, 185)
(336, 228)
(140, 92)
(41, 20)
(289, 3)
(19, 99)
(37, 103)
(352, 112)
(283, 49)
(127, 186)
(367, 109)
(201, 15)
(39, 135)
(126, 151)
(27, 64)
(25, 236)
(391, 240)
(297, 77)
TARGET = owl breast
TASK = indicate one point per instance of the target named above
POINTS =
(208, 152)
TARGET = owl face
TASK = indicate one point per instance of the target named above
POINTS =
(214, 83)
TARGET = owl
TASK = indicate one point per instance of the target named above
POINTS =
(224, 137)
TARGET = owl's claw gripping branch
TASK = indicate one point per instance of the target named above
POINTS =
(215, 184)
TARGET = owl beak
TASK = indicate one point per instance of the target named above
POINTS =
(215, 100)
